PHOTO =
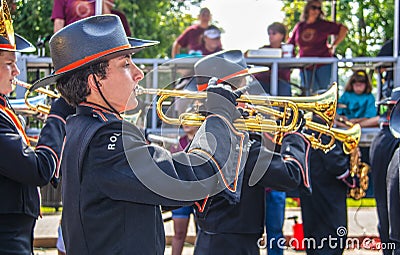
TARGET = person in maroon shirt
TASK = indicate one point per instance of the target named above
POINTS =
(311, 36)
(192, 35)
(66, 12)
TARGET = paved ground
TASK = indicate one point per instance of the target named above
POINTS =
(362, 224)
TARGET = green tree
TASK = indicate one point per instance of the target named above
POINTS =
(161, 20)
(370, 22)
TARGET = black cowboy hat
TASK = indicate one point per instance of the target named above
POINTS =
(394, 97)
(87, 41)
(224, 65)
(8, 40)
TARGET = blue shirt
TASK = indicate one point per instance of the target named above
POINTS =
(358, 105)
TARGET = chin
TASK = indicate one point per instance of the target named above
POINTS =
(6, 89)
(131, 105)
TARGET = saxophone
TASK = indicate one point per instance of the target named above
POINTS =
(358, 170)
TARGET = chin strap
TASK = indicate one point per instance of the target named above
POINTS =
(102, 96)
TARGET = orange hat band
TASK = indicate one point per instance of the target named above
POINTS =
(202, 87)
(7, 46)
(87, 59)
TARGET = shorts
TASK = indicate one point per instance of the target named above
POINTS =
(182, 213)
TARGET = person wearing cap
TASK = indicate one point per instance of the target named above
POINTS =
(22, 168)
(210, 41)
(235, 226)
(191, 37)
(113, 180)
(381, 151)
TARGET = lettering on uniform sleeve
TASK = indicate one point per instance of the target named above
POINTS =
(113, 140)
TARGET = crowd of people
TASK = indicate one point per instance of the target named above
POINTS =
(115, 182)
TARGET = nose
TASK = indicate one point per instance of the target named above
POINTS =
(15, 70)
(137, 73)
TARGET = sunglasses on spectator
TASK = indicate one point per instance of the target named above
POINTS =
(314, 7)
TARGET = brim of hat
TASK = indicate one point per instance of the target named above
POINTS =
(21, 45)
(136, 46)
(387, 101)
(253, 70)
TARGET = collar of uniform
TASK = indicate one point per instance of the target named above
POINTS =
(86, 108)
(3, 100)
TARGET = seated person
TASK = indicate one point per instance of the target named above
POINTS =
(277, 35)
(210, 42)
(357, 104)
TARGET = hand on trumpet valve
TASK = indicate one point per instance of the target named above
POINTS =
(301, 121)
(221, 100)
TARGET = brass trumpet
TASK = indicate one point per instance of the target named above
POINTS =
(349, 137)
(41, 108)
(323, 105)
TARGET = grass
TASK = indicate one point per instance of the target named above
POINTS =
(364, 202)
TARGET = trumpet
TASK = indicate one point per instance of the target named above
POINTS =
(41, 108)
(323, 105)
(349, 137)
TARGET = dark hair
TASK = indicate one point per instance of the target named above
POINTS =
(203, 10)
(278, 27)
(74, 87)
(306, 10)
(359, 76)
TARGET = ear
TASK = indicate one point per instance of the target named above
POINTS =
(92, 83)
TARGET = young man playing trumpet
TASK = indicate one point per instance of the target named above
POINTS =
(235, 226)
(114, 181)
(22, 169)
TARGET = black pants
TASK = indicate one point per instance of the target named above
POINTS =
(16, 234)
(232, 244)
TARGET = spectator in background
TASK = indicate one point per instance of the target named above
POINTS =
(387, 50)
(311, 36)
(277, 35)
(382, 149)
(67, 11)
(357, 104)
(210, 41)
(191, 37)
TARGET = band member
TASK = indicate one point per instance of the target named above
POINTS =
(393, 183)
(114, 181)
(324, 212)
(235, 227)
(381, 151)
(393, 194)
(22, 168)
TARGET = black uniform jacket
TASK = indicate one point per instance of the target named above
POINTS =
(325, 210)
(107, 207)
(381, 152)
(264, 168)
(393, 194)
(22, 168)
